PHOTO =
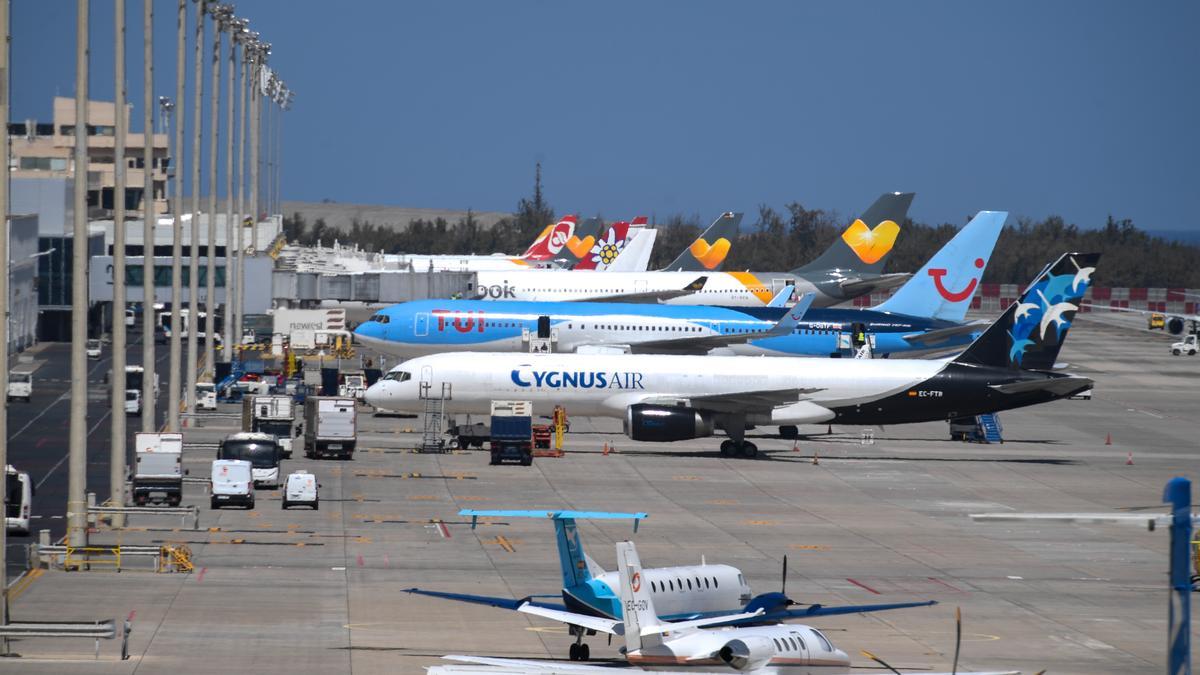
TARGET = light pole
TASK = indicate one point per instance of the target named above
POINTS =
(234, 27)
(249, 42)
(77, 444)
(260, 59)
(220, 14)
(193, 344)
(116, 461)
(4, 267)
(176, 358)
(149, 404)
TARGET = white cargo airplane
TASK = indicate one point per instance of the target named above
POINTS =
(695, 646)
(852, 266)
(673, 398)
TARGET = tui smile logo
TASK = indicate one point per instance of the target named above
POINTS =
(954, 296)
(870, 245)
(710, 255)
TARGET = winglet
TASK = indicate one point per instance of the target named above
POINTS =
(781, 298)
(697, 285)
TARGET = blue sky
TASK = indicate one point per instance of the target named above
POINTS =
(1081, 109)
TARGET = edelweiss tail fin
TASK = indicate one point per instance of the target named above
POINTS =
(943, 288)
(864, 245)
(606, 248)
(1030, 333)
(710, 249)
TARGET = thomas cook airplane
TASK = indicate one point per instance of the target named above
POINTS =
(704, 645)
(925, 314)
(681, 593)
(852, 266)
(672, 398)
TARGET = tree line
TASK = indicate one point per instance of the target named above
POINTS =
(784, 240)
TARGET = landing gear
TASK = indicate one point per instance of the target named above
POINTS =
(737, 444)
(789, 431)
(579, 651)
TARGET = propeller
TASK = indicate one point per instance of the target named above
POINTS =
(881, 662)
(957, 638)
(783, 583)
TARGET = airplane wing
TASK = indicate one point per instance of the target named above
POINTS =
(750, 401)
(610, 626)
(812, 611)
(933, 337)
(701, 344)
(882, 282)
(503, 603)
(1062, 386)
(651, 296)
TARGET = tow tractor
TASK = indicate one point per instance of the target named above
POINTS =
(1185, 346)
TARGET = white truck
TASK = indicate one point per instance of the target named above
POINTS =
(330, 427)
(354, 385)
(158, 471)
(1185, 346)
(133, 401)
(20, 385)
(271, 414)
(301, 326)
(206, 396)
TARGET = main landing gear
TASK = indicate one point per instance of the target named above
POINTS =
(579, 651)
(737, 445)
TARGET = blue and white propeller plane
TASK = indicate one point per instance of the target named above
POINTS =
(926, 314)
(684, 593)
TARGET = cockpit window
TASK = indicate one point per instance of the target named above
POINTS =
(380, 318)
(824, 642)
(398, 376)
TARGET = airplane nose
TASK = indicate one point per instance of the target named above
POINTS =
(376, 395)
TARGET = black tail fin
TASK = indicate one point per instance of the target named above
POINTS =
(708, 252)
(864, 245)
(1030, 333)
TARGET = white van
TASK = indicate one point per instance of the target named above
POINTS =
(18, 501)
(133, 402)
(206, 396)
(301, 490)
(232, 483)
(20, 385)
(93, 348)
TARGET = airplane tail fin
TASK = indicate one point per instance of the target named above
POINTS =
(579, 246)
(635, 257)
(1030, 333)
(551, 240)
(571, 558)
(943, 288)
(864, 245)
(606, 248)
(710, 249)
(638, 612)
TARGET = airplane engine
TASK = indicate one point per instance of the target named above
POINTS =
(748, 653)
(660, 423)
(1175, 325)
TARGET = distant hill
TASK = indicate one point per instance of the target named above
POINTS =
(340, 216)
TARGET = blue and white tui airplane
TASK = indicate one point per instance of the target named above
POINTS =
(682, 593)
(926, 314)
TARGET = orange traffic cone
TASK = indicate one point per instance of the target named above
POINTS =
(796, 446)
(816, 459)
(1129, 460)
(1108, 439)
(606, 448)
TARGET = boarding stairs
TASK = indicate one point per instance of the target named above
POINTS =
(989, 424)
(433, 418)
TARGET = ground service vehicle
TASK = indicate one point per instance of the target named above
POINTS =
(158, 471)
(232, 483)
(301, 490)
(271, 414)
(18, 500)
(20, 385)
(1156, 321)
(261, 450)
(512, 432)
(541, 436)
(134, 376)
(93, 349)
(133, 401)
(354, 385)
(206, 396)
(470, 435)
(1185, 346)
(330, 427)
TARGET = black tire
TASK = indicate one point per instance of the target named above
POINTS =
(250, 506)
(285, 505)
(584, 652)
(573, 652)
(317, 505)
(1175, 352)
(215, 505)
(727, 448)
(749, 450)
(527, 460)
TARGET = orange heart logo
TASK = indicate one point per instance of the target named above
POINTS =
(710, 256)
(581, 247)
(870, 245)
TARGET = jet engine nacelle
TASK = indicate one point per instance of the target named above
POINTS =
(748, 653)
(660, 423)
(1175, 325)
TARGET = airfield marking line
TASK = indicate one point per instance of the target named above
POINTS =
(68, 453)
(863, 586)
(947, 585)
